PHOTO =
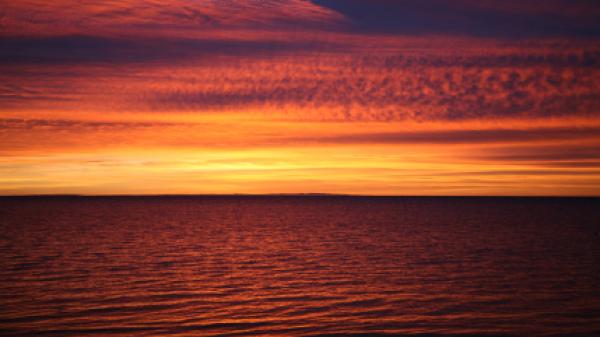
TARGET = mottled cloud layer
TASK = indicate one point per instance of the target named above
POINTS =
(503, 83)
(398, 87)
(256, 56)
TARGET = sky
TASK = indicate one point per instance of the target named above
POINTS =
(378, 97)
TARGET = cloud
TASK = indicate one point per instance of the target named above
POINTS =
(295, 76)
(464, 136)
(159, 18)
(386, 88)
(248, 61)
(77, 49)
(530, 173)
(311, 85)
(57, 125)
(548, 153)
(571, 164)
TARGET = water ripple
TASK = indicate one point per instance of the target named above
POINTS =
(290, 266)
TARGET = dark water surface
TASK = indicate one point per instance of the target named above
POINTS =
(299, 266)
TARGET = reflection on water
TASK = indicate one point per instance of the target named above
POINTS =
(299, 266)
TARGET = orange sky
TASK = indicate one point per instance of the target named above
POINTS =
(172, 97)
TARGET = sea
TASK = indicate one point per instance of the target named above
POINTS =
(312, 265)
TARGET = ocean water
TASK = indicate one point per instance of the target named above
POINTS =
(299, 266)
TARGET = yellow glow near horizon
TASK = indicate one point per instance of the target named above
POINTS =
(262, 156)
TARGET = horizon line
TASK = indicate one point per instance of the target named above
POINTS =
(76, 195)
